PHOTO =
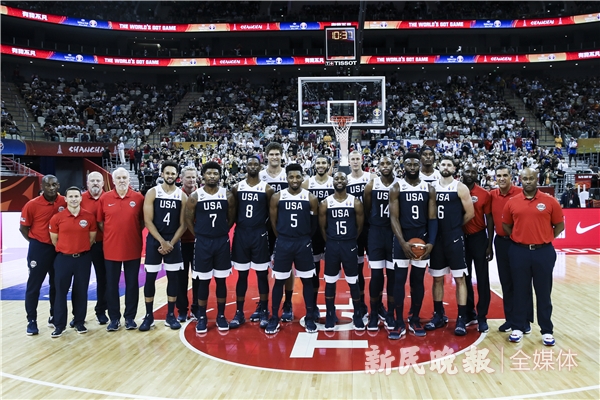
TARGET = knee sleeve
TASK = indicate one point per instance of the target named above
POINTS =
(242, 284)
(150, 285)
(221, 288)
(172, 283)
(262, 278)
(391, 281)
(400, 283)
(376, 285)
(330, 290)
(203, 289)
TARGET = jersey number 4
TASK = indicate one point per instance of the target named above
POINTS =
(167, 219)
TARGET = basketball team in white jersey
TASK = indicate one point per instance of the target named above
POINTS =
(290, 223)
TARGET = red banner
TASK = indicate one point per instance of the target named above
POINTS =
(16, 191)
(66, 149)
(582, 229)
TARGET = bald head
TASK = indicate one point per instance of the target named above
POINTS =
(95, 183)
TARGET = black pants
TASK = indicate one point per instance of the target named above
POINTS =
(78, 269)
(131, 270)
(97, 254)
(502, 245)
(40, 261)
(475, 249)
(536, 265)
(187, 251)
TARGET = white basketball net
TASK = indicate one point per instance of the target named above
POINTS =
(341, 127)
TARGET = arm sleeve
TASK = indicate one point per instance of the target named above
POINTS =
(432, 228)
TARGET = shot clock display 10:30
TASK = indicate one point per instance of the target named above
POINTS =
(340, 45)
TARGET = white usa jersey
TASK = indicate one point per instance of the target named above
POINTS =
(320, 190)
(430, 178)
(278, 183)
(356, 186)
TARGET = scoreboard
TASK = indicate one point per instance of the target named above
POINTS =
(340, 46)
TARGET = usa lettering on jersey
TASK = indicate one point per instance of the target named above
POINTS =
(380, 207)
(356, 186)
(278, 183)
(211, 213)
(414, 204)
(253, 209)
(167, 210)
(320, 190)
(341, 219)
(449, 207)
(293, 218)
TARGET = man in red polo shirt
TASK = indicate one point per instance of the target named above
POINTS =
(35, 217)
(502, 242)
(478, 249)
(121, 217)
(533, 219)
(72, 233)
(89, 202)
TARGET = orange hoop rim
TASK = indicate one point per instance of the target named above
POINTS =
(341, 120)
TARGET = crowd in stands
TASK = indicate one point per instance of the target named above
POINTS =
(568, 107)
(468, 117)
(92, 111)
(236, 11)
(8, 124)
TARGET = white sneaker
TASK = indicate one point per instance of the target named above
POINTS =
(515, 336)
(548, 339)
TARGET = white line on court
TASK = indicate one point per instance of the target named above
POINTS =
(554, 393)
(77, 389)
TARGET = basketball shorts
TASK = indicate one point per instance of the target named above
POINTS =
(344, 253)
(212, 257)
(400, 259)
(380, 247)
(250, 249)
(154, 260)
(448, 255)
(293, 250)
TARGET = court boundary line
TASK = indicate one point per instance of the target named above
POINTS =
(78, 389)
(553, 393)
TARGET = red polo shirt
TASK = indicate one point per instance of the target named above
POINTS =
(498, 202)
(533, 219)
(482, 203)
(36, 215)
(122, 219)
(89, 203)
(73, 231)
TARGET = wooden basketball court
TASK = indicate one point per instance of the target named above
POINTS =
(174, 364)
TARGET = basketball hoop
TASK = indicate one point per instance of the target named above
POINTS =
(341, 127)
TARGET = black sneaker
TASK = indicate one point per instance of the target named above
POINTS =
(461, 327)
(32, 328)
(237, 320)
(182, 317)
(287, 314)
(130, 324)
(113, 326)
(51, 322)
(471, 319)
(381, 312)
(482, 327)
(359, 324)
(201, 325)
(172, 322)
(147, 323)
(57, 333)
(373, 324)
(273, 326)
(264, 319)
(310, 326)
(80, 328)
(222, 323)
(102, 319)
(505, 327)
(438, 321)
(329, 321)
(389, 321)
(256, 314)
(316, 314)
(416, 328)
(72, 323)
(397, 332)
